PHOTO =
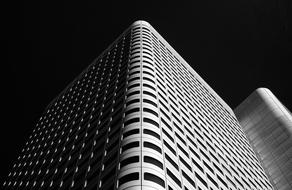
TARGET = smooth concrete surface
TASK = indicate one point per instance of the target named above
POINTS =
(268, 126)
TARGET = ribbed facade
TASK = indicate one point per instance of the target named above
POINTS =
(76, 142)
(139, 117)
(268, 126)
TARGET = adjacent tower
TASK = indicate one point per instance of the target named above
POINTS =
(139, 117)
(268, 126)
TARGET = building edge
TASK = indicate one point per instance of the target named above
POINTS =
(143, 22)
(260, 115)
(205, 84)
(273, 105)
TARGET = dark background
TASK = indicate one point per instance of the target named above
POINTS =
(235, 45)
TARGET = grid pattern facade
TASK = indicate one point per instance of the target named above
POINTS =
(138, 118)
(75, 144)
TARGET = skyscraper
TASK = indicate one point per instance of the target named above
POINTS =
(268, 126)
(139, 117)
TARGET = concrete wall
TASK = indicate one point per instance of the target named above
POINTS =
(268, 126)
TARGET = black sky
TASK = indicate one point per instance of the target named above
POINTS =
(235, 45)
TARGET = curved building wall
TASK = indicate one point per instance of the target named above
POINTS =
(139, 117)
(182, 135)
(268, 126)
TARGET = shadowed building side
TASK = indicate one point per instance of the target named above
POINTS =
(139, 117)
(76, 142)
(268, 126)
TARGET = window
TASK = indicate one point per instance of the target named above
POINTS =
(135, 47)
(154, 178)
(207, 166)
(149, 93)
(128, 178)
(218, 169)
(166, 115)
(133, 93)
(136, 61)
(180, 138)
(148, 79)
(130, 145)
(169, 147)
(131, 132)
(171, 161)
(164, 106)
(150, 102)
(198, 166)
(132, 111)
(147, 85)
(133, 86)
(153, 161)
(136, 30)
(152, 146)
(166, 124)
(147, 120)
(150, 111)
(204, 154)
(129, 160)
(132, 79)
(133, 73)
(185, 163)
(238, 182)
(189, 179)
(178, 127)
(148, 63)
(146, 72)
(214, 157)
(222, 181)
(145, 29)
(190, 140)
(134, 67)
(145, 43)
(183, 150)
(134, 41)
(201, 179)
(132, 102)
(230, 181)
(166, 133)
(149, 132)
(212, 180)
(133, 120)
(163, 97)
(173, 177)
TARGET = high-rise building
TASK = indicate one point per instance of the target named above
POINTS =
(268, 126)
(139, 117)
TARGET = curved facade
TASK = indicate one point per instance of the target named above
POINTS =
(139, 117)
(268, 126)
